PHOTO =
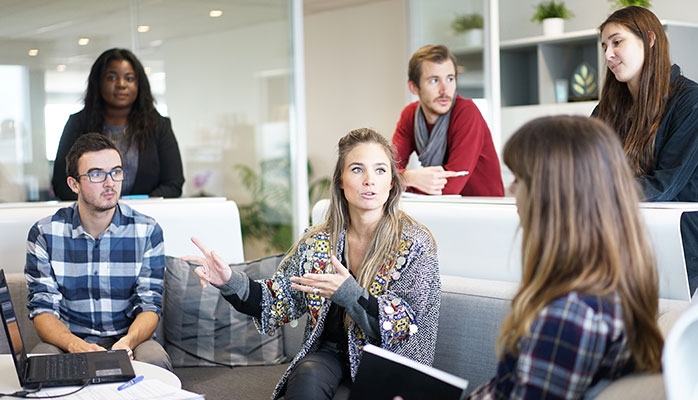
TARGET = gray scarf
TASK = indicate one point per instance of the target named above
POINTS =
(431, 148)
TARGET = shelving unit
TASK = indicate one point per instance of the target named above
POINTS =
(529, 67)
(471, 71)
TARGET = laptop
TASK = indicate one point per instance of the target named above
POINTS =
(384, 375)
(68, 369)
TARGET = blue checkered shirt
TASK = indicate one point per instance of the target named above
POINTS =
(95, 286)
(575, 341)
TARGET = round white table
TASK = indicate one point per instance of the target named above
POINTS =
(9, 382)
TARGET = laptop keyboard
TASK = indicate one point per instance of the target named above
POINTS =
(66, 366)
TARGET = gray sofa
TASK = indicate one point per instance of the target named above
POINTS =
(471, 314)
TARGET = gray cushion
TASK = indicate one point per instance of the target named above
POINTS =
(203, 329)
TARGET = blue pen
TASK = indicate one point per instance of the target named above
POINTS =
(131, 382)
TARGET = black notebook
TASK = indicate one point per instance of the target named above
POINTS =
(383, 375)
(59, 369)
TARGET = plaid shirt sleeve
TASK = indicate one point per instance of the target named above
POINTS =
(149, 286)
(44, 294)
(565, 348)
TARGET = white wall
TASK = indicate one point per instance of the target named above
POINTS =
(215, 100)
(356, 74)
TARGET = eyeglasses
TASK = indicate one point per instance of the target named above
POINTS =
(98, 176)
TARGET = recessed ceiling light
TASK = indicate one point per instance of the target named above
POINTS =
(33, 52)
(143, 28)
(60, 67)
(83, 41)
(215, 13)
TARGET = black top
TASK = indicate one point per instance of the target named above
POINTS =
(159, 174)
(675, 173)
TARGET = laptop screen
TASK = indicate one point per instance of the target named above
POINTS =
(9, 319)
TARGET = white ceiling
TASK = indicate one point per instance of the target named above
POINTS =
(54, 26)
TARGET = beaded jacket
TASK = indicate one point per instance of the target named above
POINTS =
(407, 287)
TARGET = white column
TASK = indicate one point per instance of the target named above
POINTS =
(297, 122)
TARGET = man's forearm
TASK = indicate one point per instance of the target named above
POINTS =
(52, 331)
(141, 329)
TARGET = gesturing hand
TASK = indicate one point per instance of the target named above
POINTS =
(212, 268)
(324, 284)
(429, 180)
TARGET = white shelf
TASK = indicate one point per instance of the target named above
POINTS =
(566, 37)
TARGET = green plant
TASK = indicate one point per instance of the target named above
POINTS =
(465, 22)
(269, 216)
(625, 3)
(551, 9)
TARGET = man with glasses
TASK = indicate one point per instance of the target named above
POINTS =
(94, 269)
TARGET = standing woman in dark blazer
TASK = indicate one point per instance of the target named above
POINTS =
(119, 104)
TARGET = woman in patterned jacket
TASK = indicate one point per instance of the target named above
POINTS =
(587, 308)
(368, 274)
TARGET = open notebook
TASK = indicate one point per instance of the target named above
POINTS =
(384, 375)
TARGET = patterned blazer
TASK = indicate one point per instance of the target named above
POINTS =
(407, 287)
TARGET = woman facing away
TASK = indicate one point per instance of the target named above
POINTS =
(586, 310)
(654, 109)
(119, 104)
(368, 274)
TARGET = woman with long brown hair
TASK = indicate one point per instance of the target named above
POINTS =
(654, 109)
(587, 307)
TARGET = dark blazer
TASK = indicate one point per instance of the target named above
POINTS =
(159, 174)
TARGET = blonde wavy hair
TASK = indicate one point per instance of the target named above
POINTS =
(581, 229)
(387, 236)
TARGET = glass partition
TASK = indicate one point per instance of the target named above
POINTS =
(222, 71)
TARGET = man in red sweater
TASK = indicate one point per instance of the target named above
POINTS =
(448, 133)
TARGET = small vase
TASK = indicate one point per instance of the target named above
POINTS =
(473, 38)
(553, 26)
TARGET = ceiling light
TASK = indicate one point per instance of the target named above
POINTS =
(215, 13)
(143, 28)
(147, 70)
(83, 41)
(60, 67)
(33, 52)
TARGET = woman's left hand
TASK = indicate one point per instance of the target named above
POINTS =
(324, 285)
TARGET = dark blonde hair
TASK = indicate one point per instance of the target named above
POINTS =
(436, 53)
(387, 236)
(581, 229)
(637, 120)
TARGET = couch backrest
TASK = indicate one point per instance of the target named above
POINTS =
(214, 220)
(472, 311)
(479, 237)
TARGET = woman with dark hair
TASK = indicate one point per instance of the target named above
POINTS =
(119, 104)
(654, 109)
(368, 274)
(588, 303)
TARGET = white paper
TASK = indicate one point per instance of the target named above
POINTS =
(150, 389)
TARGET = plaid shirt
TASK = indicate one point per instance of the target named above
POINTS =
(576, 341)
(95, 286)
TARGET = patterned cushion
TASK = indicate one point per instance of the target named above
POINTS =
(203, 329)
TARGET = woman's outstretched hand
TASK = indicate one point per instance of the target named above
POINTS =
(212, 268)
(324, 285)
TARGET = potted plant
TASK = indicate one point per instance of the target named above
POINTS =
(469, 25)
(268, 216)
(552, 15)
(625, 3)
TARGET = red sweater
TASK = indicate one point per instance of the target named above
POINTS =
(469, 148)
